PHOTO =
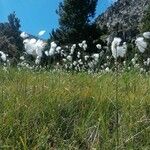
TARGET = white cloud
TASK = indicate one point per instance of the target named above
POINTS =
(41, 33)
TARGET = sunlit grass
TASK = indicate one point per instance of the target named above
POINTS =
(59, 110)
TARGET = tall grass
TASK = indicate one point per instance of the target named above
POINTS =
(69, 111)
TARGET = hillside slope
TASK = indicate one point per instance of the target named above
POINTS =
(126, 13)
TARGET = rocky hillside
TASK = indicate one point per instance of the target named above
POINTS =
(124, 13)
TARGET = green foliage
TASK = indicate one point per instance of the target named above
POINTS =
(75, 22)
(58, 110)
(10, 41)
(145, 25)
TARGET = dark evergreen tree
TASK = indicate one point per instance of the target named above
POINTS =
(75, 21)
(145, 25)
(10, 40)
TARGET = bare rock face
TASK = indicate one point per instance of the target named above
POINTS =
(123, 15)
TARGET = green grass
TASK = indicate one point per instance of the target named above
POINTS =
(66, 111)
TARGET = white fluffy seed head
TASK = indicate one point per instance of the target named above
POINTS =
(118, 50)
(146, 35)
(141, 44)
(99, 46)
(3, 56)
(24, 35)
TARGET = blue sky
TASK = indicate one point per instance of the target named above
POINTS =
(36, 15)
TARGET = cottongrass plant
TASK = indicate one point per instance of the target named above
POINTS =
(76, 58)
(87, 101)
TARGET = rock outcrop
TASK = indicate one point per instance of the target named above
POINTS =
(123, 15)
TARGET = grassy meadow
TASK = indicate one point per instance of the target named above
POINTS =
(71, 111)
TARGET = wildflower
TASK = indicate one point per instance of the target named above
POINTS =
(99, 46)
(146, 35)
(34, 47)
(148, 61)
(86, 57)
(133, 60)
(79, 54)
(124, 63)
(107, 57)
(22, 58)
(69, 58)
(136, 66)
(129, 68)
(80, 62)
(46, 53)
(58, 49)
(53, 45)
(141, 44)
(73, 48)
(32, 41)
(96, 57)
(101, 53)
(64, 60)
(38, 60)
(85, 47)
(141, 70)
(51, 51)
(74, 63)
(84, 42)
(80, 45)
(107, 69)
(5, 69)
(24, 35)
(3, 56)
(118, 50)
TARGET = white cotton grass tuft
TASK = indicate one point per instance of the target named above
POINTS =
(58, 49)
(69, 58)
(148, 61)
(73, 47)
(107, 69)
(146, 35)
(53, 45)
(22, 58)
(24, 35)
(99, 46)
(80, 45)
(117, 50)
(34, 47)
(86, 57)
(79, 55)
(95, 57)
(141, 44)
(38, 60)
(84, 45)
(47, 53)
(75, 63)
(52, 49)
(3, 56)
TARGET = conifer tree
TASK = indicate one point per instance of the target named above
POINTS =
(75, 22)
(145, 25)
(10, 40)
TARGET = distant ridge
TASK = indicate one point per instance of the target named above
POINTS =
(128, 13)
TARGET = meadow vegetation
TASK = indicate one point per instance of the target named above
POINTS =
(61, 110)
(77, 90)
